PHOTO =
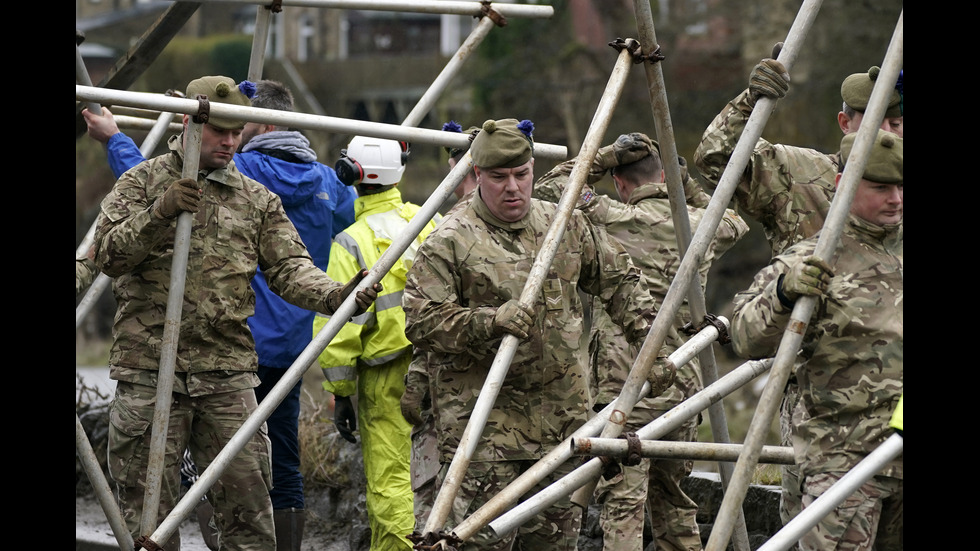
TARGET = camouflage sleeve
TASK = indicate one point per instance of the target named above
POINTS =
(731, 229)
(435, 319)
(612, 276)
(759, 318)
(719, 139)
(288, 267)
(551, 186)
(126, 230)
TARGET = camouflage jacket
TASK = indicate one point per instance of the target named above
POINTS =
(241, 225)
(851, 363)
(645, 228)
(786, 189)
(473, 263)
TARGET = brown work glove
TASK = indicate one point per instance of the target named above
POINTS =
(364, 298)
(662, 374)
(768, 79)
(512, 318)
(810, 277)
(628, 148)
(416, 385)
(182, 195)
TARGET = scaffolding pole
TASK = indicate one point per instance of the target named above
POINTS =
(835, 495)
(171, 332)
(298, 120)
(476, 9)
(103, 492)
(796, 327)
(501, 363)
(669, 449)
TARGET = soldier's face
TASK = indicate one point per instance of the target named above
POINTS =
(218, 146)
(895, 125)
(879, 204)
(507, 191)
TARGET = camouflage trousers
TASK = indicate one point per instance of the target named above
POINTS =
(655, 484)
(204, 425)
(873, 517)
(425, 468)
(554, 529)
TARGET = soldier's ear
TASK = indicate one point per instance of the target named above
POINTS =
(837, 181)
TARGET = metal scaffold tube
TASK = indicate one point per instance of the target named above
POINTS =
(415, 6)
(501, 363)
(297, 120)
(803, 310)
(103, 492)
(592, 469)
(171, 332)
(310, 354)
(508, 496)
(830, 499)
(698, 451)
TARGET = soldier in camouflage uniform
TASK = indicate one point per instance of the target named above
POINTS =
(787, 189)
(641, 220)
(416, 402)
(238, 226)
(851, 359)
(85, 270)
(463, 294)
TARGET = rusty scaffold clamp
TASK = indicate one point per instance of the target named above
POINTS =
(709, 319)
(636, 52)
(494, 15)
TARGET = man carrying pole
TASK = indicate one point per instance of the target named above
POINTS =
(238, 226)
(462, 297)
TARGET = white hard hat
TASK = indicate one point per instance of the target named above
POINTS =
(372, 161)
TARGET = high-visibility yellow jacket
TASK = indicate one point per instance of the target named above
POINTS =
(378, 335)
(897, 421)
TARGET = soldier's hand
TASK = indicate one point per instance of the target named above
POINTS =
(345, 418)
(512, 318)
(809, 277)
(627, 149)
(769, 79)
(363, 298)
(416, 386)
(182, 195)
(662, 374)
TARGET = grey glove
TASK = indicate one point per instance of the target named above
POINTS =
(416, 385)
(628, 148)
(512, 318)
(182, 195)
(809, 277)
(364, 298)
(769, 79)
(345, 418)
(662, 374)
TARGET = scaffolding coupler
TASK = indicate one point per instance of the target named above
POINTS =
(636, 52)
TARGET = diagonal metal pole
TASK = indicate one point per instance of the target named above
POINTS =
(800, 318)
(501, 363)
(835, 495)
(310, 354)
(509, 495)
(103, 492)
(660, 426)
(442, 81)
(171, 333)
(682, 226)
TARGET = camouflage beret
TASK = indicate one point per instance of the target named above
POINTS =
(453, 126)
(885, 162)
(856, 92)
(506, 143)
(223, 90)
